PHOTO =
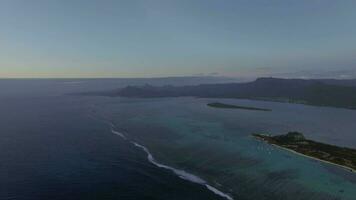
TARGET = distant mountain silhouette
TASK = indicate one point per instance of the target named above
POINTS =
(323, 92)
(346, 82)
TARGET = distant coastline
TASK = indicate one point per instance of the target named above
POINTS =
(315, 92)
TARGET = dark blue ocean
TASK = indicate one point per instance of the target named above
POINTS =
(59, 146)
(51, 147)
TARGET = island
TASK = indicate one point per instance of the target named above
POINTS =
(297, 143)
(228, 106)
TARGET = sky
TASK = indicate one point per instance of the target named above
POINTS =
(156, 38)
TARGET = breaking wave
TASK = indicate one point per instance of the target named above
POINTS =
(181, 173)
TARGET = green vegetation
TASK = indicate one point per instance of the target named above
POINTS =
(345, 157)
(222, 105)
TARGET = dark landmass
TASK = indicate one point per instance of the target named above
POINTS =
(324, 92)
(222, 105)
(342, 82)
(342, 156)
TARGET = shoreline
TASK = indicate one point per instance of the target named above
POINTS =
(349, 169)
(314, 158)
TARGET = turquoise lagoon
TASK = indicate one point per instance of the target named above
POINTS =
(216, 144)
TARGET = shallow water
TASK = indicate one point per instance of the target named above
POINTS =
(216, 144)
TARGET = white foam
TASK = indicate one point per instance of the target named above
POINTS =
(116, 132)
(119, 134)
(218, 192)
(183, 174)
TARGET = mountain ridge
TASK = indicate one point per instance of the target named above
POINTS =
(318, 92)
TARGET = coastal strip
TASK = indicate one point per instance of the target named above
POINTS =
(228, 106)
(180, 173)
(314, 158)
(296, 143)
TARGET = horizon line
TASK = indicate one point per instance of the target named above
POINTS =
(167, 77)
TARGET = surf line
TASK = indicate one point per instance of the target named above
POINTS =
(180, 173)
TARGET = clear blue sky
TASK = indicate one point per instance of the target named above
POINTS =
(145, 38)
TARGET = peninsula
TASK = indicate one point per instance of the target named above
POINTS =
(297, 143)
(228, 106)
